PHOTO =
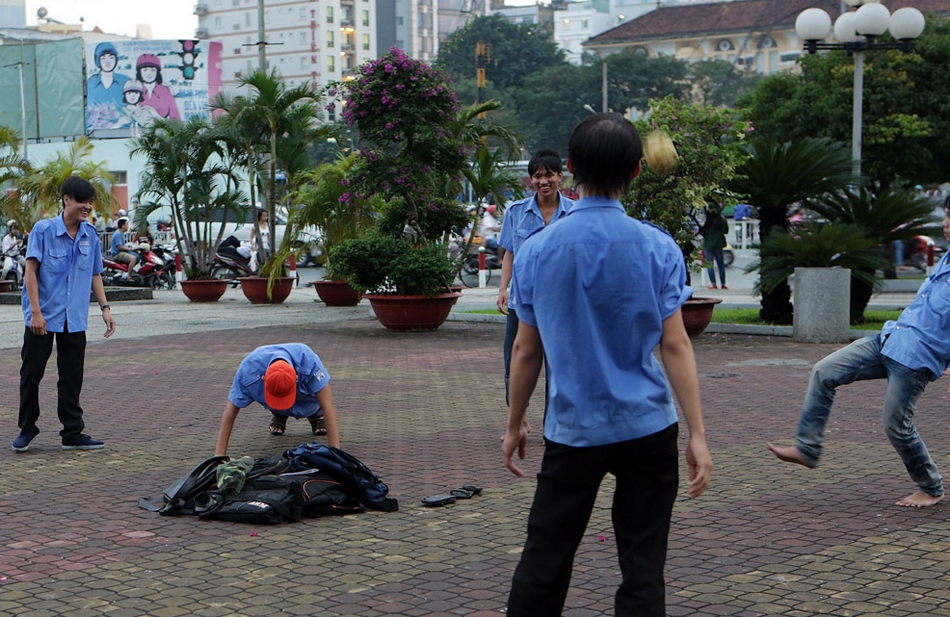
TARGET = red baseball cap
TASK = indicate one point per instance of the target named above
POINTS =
(280, 385)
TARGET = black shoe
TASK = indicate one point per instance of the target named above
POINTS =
(82, 442)
(22, 441)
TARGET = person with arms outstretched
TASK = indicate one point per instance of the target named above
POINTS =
(909, 353)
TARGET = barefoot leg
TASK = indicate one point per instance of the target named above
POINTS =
(789, 455)
(919, 499)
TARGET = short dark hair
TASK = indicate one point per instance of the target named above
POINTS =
(78, 189)
(545, 159)
(604, 151)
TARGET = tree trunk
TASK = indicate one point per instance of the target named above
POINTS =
(860, 296)
(776, 305)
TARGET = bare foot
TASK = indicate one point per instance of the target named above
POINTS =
(919, 499)
(789, 455)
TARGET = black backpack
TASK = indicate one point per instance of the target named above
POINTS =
(272, 499)
(179, 497)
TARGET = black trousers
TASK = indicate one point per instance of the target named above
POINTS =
(70, 359)
(647, 477)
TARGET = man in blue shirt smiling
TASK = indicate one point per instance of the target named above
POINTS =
(63, 261)
(909, 353)
(596, 293)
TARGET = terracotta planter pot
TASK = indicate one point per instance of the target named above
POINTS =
(255, 289)
(204, 290)
(337, 293)
(405, 313)
(697, 313)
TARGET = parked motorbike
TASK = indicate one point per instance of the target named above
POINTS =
(917, 251)
(13, 267)
(155, 268)
(230, 263)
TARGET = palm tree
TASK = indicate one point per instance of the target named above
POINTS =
(191, 169)
(892, 215)
(38, 188)
(319, 195)
(778, 174)
(274, 125)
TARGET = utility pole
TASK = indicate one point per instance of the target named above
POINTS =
(482, 58)
(19, 66)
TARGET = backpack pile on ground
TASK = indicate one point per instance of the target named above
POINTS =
(308, 481)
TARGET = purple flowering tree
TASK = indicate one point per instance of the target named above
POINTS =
(412, 157)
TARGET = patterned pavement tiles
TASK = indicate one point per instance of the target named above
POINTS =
(425, 412)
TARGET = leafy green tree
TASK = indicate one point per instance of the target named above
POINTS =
(551, 104)
(719, 83)
(275, 124)
(709, 144)
(905, 115)
(634, 79)
(191, 168)
(36, 189)
(517, 51)
(775, 175)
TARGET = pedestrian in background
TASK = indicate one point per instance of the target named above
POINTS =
(596, 293)
(714, 232)
(63, 262)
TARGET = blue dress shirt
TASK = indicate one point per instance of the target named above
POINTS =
(920, 338)
(312, 376)
(66, 268)
(598, 285)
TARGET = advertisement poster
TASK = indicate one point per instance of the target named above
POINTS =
(129, 84)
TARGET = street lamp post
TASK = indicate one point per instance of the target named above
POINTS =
(856, 32)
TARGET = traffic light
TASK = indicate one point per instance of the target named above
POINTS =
(189, 52)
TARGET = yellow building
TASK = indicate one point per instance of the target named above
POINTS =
(757, 35)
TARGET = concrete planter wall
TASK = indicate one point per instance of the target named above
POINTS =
(822, 300)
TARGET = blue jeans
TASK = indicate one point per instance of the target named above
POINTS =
(715, 255)
(859, 361)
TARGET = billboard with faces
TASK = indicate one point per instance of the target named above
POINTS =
(131, 83)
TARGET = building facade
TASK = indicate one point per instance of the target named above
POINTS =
(756, 35)
(305, 41)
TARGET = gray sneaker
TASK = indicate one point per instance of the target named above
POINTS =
(82, 442)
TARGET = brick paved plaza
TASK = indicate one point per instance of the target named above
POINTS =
(425, 411)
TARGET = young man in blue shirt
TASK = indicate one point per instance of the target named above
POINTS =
(596, 293)
(523, 219)
(289, 380)
(909, 353)
(63, 262)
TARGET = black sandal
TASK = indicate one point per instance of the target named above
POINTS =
(318, 426)
(278, 425)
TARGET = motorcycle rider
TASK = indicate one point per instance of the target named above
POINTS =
(488, 228)
(122, 252)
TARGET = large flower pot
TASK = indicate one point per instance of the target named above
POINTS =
(697, 313)
(6, 285)
(405, 313)
(202, 290)
(255, 289)
(337, 293)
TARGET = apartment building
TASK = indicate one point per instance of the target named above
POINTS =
(305, 41)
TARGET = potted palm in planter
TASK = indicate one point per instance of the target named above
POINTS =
(190, 170)
(824, 258)
(325, 201)
(411, 158)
